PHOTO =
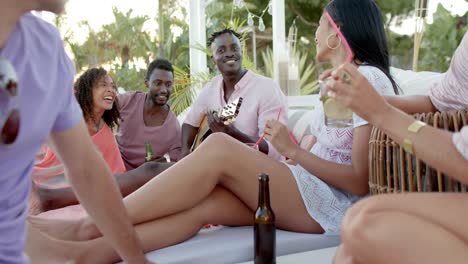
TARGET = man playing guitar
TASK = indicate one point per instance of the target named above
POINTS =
(262, 98)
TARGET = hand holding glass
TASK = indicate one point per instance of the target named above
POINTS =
(335, 114)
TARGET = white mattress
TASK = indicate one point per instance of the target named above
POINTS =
(319, 256)
(234, 245)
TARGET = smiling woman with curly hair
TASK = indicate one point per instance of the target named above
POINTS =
(97, 95)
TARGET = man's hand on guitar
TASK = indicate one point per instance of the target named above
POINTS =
(214, 121)
(216, 124)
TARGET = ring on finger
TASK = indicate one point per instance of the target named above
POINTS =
(346, 78)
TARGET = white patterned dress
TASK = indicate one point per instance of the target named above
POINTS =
(326, 204)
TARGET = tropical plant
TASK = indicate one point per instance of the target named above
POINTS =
(125, 47)
(128, 76)
(441, 39)
(185, 88)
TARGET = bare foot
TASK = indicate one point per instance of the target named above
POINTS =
(73, 230)
(42, 249)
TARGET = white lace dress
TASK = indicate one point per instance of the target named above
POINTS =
(326, 204)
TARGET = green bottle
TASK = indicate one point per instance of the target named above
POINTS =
(149, 151)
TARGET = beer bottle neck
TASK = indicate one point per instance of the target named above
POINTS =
(148, 148)
(263, 194)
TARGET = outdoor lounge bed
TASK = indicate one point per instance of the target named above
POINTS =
(234, 245)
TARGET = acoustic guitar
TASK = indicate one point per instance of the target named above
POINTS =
(227, 115)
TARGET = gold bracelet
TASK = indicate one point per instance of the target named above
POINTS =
(414, 128)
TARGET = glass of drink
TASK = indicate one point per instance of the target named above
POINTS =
(336, 115)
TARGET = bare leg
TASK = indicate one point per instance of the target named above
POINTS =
(417, 228)
(223, 161)
(42, 249)
(54, 198)
(220, 160)
(134, 179)
(220, 207)
(343, 256)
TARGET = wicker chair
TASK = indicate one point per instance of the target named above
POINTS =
(392, 170)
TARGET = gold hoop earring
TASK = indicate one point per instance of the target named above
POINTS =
(328, 44)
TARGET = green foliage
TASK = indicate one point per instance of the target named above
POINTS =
(124, 44)
(128, 77)
(440, 40)
(308, 74)
(401, 50)
(395, 10)
(125, 37)
(184, 89)
(247, 62)
(267, 58)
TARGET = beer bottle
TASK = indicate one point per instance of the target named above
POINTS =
(264, 225)
(149, 151)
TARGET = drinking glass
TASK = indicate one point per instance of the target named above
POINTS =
(336, 115)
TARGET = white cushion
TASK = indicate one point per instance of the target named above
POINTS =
(415, 82)
(300, 112)
(234, 245)
(303, 101)
(319, 256)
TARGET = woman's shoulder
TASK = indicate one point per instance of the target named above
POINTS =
(371, 72)
(377, 78)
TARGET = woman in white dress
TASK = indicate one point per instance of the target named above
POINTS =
(414, 227)
(217, 184)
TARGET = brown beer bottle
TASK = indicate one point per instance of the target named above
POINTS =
(264, 225)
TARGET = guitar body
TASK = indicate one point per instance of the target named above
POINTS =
(227, 115)
(203, 132)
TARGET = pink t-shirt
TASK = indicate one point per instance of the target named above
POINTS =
(262, 98)
(452, 92)
(460, 140)
(133, 134)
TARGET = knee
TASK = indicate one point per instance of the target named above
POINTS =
(358, 221)
(216, 144)
(343, 256)
(217, 139)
